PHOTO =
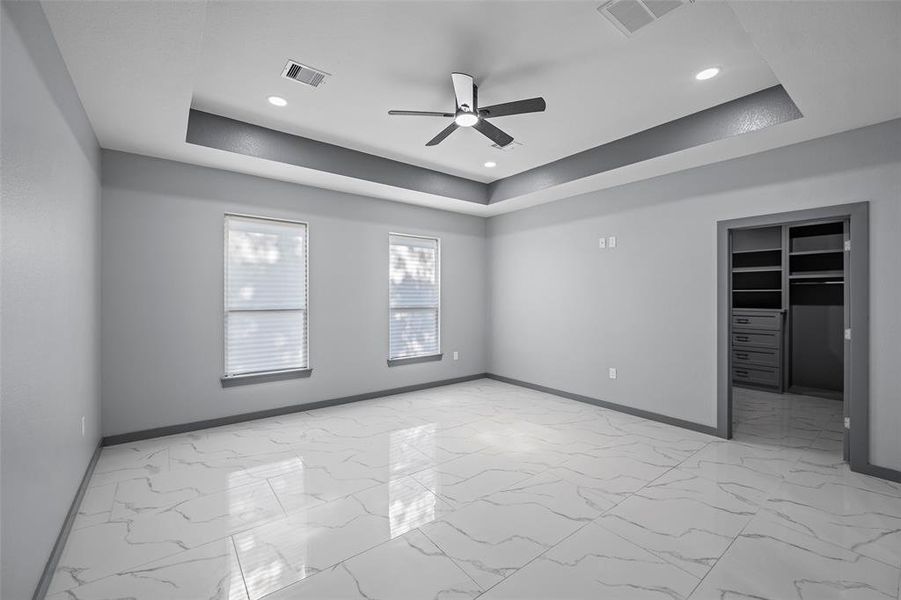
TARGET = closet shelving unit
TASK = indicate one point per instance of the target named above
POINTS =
(816, 299)
(758, 257)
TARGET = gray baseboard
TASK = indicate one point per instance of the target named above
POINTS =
(880, 472)
(637, 412)
(146, 434)
(123, 438)
(50, 568)
(868, 469)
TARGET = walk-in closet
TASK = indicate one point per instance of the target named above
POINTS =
(788, 319)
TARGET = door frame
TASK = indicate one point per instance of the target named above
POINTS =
(857, 311)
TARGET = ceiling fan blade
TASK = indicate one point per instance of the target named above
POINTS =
(492, 133)
(463, 90)
(517, 107)
(444, 133)
(420, 113)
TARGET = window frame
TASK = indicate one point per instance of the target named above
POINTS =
(228, 380)
(422, 357)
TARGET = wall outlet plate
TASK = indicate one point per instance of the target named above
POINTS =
(456, 355)
(611, 372)
(602, 243)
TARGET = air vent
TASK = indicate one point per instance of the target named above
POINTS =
(508, 148)
(304, 74)
(631, 15)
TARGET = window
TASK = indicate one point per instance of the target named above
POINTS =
(265, 296)
(414, 297)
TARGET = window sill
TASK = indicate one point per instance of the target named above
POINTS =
(266, 377)
(396, 362)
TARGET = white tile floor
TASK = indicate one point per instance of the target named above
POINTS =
(493, 491)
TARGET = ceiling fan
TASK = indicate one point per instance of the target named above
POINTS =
(469, 114)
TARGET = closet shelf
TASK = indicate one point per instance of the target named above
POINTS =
(815, 252)
(755, 269)
(756, 250)
(817, 275)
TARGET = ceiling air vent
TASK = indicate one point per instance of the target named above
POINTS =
(631, 15)
(508, 148)
(304, 74)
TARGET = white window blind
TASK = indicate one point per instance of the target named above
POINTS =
(265, 295)
(414, 296)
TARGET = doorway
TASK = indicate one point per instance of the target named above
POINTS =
(793, 330)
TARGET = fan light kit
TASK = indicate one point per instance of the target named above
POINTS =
(277, 101)
(707, 74)
(468, 114)
(466, 119)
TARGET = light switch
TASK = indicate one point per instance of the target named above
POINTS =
(456, 355)
(611, 242)
(602, 243)
(612, 372)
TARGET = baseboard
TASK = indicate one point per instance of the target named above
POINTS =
(637, 412)
(146, 434)
(880, 472)
(50, 568)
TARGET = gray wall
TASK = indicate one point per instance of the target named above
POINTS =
(162, 236)
(563, 311)
(49, 295)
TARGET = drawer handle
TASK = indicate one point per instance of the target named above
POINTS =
(741, 372)
(741, 338)
(741, 355)
(742, 321)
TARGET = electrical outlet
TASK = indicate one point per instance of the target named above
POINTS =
(456, 355)
(82, 427)
(611, 241)
(602, 243)
(611, 372)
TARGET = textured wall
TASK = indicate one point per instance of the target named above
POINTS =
(564, 311)
(49, 295)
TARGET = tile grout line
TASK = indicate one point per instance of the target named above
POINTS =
(277, 499)
(760, 508)
(595, 522)
(240, 567)
(451, 558)
(342, 561)
(580, 528)
(633, 542)
(710, 570)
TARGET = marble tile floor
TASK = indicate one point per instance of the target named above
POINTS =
(487, 490)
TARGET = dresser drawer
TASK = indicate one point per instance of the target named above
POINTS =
(742, 357)
(755, 375)
(770, 321)
(765, 339)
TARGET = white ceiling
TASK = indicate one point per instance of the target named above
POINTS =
(139, 67)
(599, 84)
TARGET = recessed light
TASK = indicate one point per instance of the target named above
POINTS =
(277, 101)
(490, 164)
(707, 74)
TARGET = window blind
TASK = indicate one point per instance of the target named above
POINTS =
(265, 295)
(414, 296)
